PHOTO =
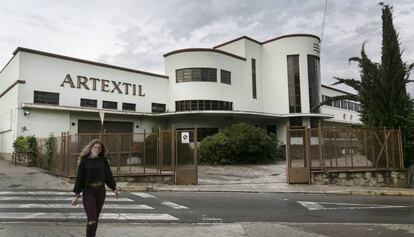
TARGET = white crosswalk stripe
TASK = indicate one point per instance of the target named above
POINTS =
(68, 205)
(55, 205)
(143, 195)
(77, 216)
(31, 198)
(55, 193)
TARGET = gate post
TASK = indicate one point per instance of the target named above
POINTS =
(288, 166)
(160, 150)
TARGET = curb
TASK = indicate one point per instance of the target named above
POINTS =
(346, 192)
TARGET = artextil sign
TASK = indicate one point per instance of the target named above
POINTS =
(98, 84)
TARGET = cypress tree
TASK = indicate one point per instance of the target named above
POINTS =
(382, 89)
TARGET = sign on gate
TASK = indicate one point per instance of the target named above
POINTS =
(185, 137)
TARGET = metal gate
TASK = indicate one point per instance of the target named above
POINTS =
(297, 156)
(185, 148)
(340, 149)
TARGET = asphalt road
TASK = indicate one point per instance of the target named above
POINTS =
(35, 213)
(295, 208)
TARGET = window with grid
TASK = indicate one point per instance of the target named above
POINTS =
(158, 108)
(225, 77)
(43, 97)
(196, 74)
(128, 106)
(109, 105)
(88, 103)
(294, 84)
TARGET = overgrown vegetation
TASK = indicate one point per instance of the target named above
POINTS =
(50, 149)
(239, 144)
(25, 149)
(28, 150)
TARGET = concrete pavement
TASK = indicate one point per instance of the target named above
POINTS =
(241, 178)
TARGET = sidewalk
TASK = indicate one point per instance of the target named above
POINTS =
(241, 178)
(261, 178)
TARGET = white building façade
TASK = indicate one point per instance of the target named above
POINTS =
(270, 84)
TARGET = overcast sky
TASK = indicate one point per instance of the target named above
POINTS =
(136, 33)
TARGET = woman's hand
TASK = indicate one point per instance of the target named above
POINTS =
(116, 192)
(75, 201)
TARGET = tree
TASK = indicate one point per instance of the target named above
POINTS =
(382, 88)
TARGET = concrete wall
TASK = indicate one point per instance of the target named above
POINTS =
(397, 179)
(9, 106)
(44, 73)
(275, 79)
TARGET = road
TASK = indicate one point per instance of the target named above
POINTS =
(48, 213)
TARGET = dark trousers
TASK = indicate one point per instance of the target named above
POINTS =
(93, 200)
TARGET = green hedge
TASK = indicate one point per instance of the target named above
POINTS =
(239, 144)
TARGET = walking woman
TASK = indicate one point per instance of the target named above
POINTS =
(92, 175)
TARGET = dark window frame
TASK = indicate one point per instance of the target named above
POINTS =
(293, 73)
(225, 77)
(204, 74)
(109, 104)
(202, 105)
(254, 86)
(45, 97)
(155, 108)
(90, 103)
(129, 106)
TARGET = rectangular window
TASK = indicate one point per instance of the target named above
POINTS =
(254, 78)
(89, 103)
(109, 105)
(225, 77)
(196, 74)
(159, 108)
(294, 84)
(314, 82)
(128, 106)
(42, 97)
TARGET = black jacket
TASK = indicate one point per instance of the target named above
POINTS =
(91, 170)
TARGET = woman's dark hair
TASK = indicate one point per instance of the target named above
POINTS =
(87, 150)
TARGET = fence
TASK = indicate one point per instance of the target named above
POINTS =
(345, 148)
(129, 154)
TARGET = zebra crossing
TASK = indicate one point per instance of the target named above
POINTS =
(56, 206)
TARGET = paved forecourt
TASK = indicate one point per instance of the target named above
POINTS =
(37, 205)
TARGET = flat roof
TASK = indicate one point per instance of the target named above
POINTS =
(27, 50)
(338, 90)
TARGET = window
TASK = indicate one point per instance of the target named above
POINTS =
(225, 77)
(88, 103)
(295, 122)
(294, 83)
(42, 97)
(109, 105)
(196, 74)
(254, 78)
(157, 108)
(128, 106)
(314, 81)
(194, 105)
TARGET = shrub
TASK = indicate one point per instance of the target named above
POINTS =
(26, 148)
(239, 144)
(215, 149)
(50, 146)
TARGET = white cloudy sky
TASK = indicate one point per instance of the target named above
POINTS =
(136, 33)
